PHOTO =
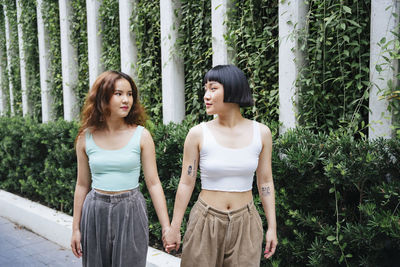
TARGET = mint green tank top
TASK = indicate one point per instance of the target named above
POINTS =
(115, 170)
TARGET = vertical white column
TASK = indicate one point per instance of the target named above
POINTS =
(173, 79)
(383, 23)
(219, 10)
(69, 63)
(26, 106)
(127, 38)
(94, 39)
(292, 20)
(9, 56)
(44, 61)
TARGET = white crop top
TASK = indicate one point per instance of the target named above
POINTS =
(228, 169)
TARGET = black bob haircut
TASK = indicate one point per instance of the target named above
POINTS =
(236, 86)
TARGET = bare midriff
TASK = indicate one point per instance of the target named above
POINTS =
(226, 201)
(111, 192)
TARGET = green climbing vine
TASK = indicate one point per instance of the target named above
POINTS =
(51, 18)
(335, 80)
(109, 17)
(253, 36)
(146, 26)
(195, 46)
(80, 41)
(14, 70)
(28, 22)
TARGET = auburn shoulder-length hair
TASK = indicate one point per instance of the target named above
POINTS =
(96, 107)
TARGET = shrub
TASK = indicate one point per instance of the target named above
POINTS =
(337, 198)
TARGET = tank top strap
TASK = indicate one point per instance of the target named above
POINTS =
(207, 137)
(135, 140)
(256, 134)
(88, 140)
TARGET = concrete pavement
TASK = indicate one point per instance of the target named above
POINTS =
(20, 247)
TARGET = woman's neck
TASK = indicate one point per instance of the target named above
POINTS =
(113, 125)
(231, 118)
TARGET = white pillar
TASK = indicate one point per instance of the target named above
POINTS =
(219, 9)
(127, 38)
(383, 23)
(94, 39)
(26, 106)
(290, 59)
(9, 56)
(173, 78)
(44, 62)
(69, 62)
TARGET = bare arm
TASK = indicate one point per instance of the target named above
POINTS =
(186, 184)
(266, 190)
(148, 156)
(82, 187)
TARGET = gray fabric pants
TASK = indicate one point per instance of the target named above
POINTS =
(114, 229)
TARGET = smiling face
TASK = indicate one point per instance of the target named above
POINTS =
(213, 97)
(121, 101)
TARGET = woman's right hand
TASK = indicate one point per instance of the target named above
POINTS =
(76, 243)
(172, 239)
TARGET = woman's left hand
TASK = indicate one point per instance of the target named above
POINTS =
(271, 243)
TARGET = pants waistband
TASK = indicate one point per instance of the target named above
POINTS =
(225, 214)
(113, 198)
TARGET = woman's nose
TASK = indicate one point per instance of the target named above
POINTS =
(206, 95)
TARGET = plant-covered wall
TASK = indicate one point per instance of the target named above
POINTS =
(109, 17)
(28, 22)
(51, 18)
(335, 80)
(253, 36)
(195, 47)
(80, 41)
(146, 26)
(14, 70)
(3, 62)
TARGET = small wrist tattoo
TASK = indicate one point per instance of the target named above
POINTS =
(265, 190)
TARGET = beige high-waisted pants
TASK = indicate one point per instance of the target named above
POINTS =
(216, 238)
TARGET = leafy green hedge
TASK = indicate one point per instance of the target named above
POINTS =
(337, 197)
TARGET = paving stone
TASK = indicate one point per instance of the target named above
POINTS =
(22, 248)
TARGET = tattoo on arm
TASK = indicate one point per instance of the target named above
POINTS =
(265, 191)
(189, 172)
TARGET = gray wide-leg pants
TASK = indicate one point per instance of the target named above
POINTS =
(114, 229)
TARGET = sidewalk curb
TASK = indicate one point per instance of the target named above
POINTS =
(57, 226)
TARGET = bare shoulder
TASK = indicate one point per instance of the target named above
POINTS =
(81, 141)
(146, 137)
(266, 134)
(195, 133)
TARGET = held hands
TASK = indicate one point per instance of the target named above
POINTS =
(76, 243)
(171, 239)
(271, 241)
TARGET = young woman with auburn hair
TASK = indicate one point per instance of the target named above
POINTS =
(224, 227)
(110, 224)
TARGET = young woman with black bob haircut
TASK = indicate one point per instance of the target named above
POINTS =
(110, 224)
(224, 227)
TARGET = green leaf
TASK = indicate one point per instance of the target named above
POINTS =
(347, 9)
(331, 238)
